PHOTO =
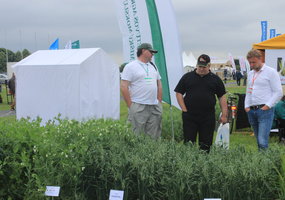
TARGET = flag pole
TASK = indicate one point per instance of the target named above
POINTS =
(6, 50)
(172, 125)
(36, 45)
(20, 34)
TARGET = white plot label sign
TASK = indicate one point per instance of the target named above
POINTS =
(116, 195)
(52, 191)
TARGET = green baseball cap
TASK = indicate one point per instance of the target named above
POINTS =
(147, 46)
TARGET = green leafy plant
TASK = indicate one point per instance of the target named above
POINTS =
(88, 159)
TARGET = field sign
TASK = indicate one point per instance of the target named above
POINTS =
(116, 195)
(52, 191)
(212, 199)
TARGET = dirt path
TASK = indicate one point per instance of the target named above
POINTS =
(5, 113)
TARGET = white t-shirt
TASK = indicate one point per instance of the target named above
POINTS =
(143, 82)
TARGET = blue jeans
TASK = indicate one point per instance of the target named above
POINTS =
(261, 122)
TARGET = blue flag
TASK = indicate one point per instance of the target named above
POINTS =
(54, 45)
(278, 34)
(264, 30)
(272, 33)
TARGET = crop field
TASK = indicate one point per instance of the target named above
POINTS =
(90, 158)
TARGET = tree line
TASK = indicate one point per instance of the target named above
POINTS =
(12, 57)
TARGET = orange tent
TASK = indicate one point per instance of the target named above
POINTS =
(273, 43)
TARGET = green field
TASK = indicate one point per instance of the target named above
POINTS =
(87, 159)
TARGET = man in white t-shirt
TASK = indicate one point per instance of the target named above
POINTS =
(263, 91)
(142, 90)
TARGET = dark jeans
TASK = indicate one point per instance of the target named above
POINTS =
(238, 82)
(202, 124)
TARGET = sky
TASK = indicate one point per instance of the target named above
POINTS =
(214, 27)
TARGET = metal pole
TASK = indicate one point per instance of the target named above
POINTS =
(20, 32)
(6, 51)
(172, 125)
(7, 93)
(7, 60)
(36, 45)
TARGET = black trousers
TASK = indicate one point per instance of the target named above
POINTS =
(204, 124)
(238, 82)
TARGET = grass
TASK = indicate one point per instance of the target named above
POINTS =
(90, 158)
(4, 105)
(94, 156)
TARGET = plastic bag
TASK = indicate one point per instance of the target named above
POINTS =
(223, 136)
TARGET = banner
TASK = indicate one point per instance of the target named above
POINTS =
(247, 66)
(75, 45)
(264, 30)
(153, 22)
(272, 33)
(275, 58)
(54, 45)
(242, 64)
(231, 58)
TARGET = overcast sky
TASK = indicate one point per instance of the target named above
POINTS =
(215, 27)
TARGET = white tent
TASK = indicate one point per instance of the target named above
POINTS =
(189, 60)
(78, 84)
(185, 59)
(192, 59)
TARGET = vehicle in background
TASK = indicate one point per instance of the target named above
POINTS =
(3, 78)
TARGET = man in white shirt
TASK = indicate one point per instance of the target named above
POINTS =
(142, 90)
(263, 91)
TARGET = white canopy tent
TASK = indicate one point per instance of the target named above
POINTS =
(78, 84)
(189, 61)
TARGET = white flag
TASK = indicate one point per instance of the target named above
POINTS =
(242, 64)
(68, 45)
(231, 58)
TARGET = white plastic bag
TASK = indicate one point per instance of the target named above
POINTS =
(223, 136)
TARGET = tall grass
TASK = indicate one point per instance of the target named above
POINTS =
(88, 159)
(4, 105)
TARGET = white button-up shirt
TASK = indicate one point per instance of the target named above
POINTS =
(263, 87)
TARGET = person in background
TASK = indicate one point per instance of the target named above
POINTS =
(234, 74)
(238, 77)
(142, 91)
(12, 90)
(263, 91)
(196, 95)
(244, 78)
(279, 115)
(1, 100)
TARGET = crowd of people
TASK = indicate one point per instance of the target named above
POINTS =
(196, 94)
(236, 75)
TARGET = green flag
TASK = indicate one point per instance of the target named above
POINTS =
(75, 45)
(157, 41)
